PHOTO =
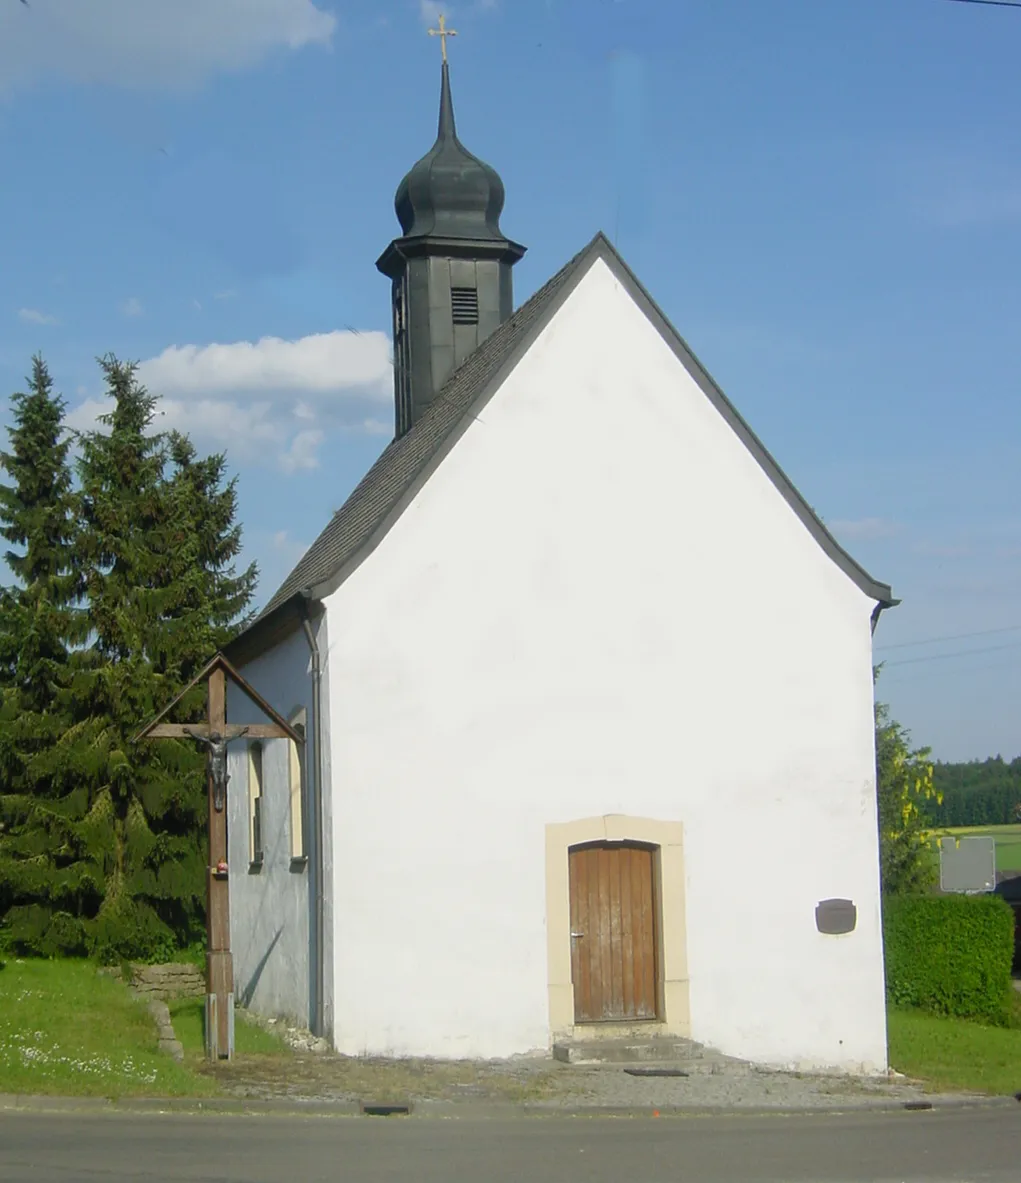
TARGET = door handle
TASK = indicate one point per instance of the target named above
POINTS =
(575, 935)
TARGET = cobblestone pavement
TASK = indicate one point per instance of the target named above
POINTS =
(543, 1082)
(312, 1073)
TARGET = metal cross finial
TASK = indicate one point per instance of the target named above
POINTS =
(443, 33)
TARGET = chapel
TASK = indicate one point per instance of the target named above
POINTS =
(587, 695)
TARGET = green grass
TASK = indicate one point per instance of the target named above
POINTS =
(66, 1029)
(1007, 838)
(955, 1055)
(188, 1016)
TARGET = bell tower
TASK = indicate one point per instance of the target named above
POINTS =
(450, 270)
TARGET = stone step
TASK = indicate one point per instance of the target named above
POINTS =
(627, 1050)
(706, 1066)
(655, 1056)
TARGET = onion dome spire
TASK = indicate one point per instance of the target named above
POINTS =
(450, 192)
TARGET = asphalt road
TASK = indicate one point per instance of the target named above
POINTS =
(927, 1147)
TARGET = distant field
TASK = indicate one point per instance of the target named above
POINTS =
(1007, 838)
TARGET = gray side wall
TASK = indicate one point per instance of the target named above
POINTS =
(272, 906)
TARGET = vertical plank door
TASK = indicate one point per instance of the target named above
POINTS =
(613, 932)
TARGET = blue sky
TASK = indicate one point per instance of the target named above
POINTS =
(823, 195)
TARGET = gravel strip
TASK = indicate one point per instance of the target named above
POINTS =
(314, 1074)
(543, 1083)
(611, 1087)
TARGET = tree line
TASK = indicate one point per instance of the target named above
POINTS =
(978, 793)
(123, 542)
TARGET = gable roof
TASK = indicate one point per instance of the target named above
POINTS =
(384, 491)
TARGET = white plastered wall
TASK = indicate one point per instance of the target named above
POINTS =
(599, 604)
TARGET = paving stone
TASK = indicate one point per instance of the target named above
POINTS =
(543, 1084)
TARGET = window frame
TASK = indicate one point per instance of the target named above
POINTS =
(256, 795)
(297, 789)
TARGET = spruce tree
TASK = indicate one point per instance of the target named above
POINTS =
(141, 834)
(158, 541)
(104, 852)
(42, 897)
(217, 598)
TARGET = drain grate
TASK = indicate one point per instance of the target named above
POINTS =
(386, 1110)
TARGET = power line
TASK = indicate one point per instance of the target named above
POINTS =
(959, 653)
(991, 3)
(986, 632)
(896, 678)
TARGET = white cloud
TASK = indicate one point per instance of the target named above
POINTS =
(867, 528)
(270, 400)
(432, 10)
(372, 427)
(33, 316)
(321, 364)
(85, 416)
(132, 307)
(303, 452)
(151, 44)
(282, 541)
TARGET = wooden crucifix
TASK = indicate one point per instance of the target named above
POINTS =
(214, 735)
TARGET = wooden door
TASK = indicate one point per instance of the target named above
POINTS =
(613, 932)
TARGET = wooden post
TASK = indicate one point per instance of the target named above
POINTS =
(219, 963)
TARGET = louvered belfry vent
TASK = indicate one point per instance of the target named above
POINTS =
(465, 305)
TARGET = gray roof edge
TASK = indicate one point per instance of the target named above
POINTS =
(881, 592)
(263, 630)
(266, 630)
(324, 586)
(579, 268)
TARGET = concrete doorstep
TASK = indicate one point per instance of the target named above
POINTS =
(660, 1056)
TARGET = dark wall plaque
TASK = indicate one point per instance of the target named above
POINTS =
(834, 917)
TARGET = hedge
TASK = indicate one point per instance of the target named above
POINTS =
(950, 954)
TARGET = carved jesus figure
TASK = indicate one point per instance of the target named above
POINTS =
(216, 758)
